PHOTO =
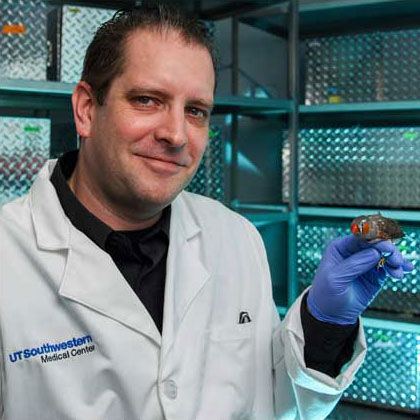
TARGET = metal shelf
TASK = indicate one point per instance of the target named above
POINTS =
(237, 205)
(351, 213)
(336, 16)
(321, 17)
(279, 213)
(40, 87)
(395, 112)
(34, 94)
(246, 105)
(262, 214)
(27, 93)
(411, 326)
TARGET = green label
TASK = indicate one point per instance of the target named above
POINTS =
(32, 129)
(381, 337)
(213, 133)
(410, 136)
(74, 10)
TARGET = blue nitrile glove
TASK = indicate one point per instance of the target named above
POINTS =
(348, 279)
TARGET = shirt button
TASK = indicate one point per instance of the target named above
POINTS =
(170, 389)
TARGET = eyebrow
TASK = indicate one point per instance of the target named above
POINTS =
(205, 104)
(160, 93)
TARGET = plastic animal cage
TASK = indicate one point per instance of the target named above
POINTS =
(79, 25)
(402, 296)
(357, 166)
(24, 148)
(375, 66)
(390, 376)
(23, 39)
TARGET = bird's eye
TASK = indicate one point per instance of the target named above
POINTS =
(365, 228)
(354, 228)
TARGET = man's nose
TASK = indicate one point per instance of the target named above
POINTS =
(172, 128)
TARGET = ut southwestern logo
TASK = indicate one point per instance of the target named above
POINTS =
(59, 351)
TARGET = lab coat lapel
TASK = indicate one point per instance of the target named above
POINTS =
(185, 273)
(93, 280)
(91, 277)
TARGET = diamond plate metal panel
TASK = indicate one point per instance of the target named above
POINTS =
(78, 28)
(377, 66)
(390, 375)
(209, 179)
(357, 167)
(23, 44)
(402, 296)
(24, 148)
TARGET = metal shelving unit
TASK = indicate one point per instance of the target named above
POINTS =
(318, 19)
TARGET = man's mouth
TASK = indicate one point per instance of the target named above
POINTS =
(162, 165)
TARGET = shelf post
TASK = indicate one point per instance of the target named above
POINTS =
(293, 74)
(235, 126)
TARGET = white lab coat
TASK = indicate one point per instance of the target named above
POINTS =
(78, 344)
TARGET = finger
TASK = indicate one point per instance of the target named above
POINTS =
(394, 260)
(385, 247)
(393, 255)
(396, 273)
(356, 265)
(407, 266)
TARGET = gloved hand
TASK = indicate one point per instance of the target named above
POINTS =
(348, 279)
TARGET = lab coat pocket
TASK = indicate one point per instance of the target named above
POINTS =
(229, 381)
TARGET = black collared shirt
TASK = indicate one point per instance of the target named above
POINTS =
(140, 255)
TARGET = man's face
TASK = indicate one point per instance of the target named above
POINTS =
(147, 140)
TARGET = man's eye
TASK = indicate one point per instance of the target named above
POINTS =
(197, 112)
(144, 100)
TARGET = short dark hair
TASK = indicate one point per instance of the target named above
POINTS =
(104, 59)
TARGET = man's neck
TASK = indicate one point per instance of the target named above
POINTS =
(115, 219)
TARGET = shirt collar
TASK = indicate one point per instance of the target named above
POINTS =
(82, 218)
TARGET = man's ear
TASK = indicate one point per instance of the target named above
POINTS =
(84, 101)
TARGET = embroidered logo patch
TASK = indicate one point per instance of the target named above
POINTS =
(54, 352)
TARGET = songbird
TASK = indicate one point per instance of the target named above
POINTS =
(375, 228)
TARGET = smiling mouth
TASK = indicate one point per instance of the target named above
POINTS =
(160, 165)
(165, 161)
(171, 162)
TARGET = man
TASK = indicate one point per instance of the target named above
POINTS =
(123, 297)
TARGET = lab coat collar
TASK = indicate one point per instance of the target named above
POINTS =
(52, 228)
